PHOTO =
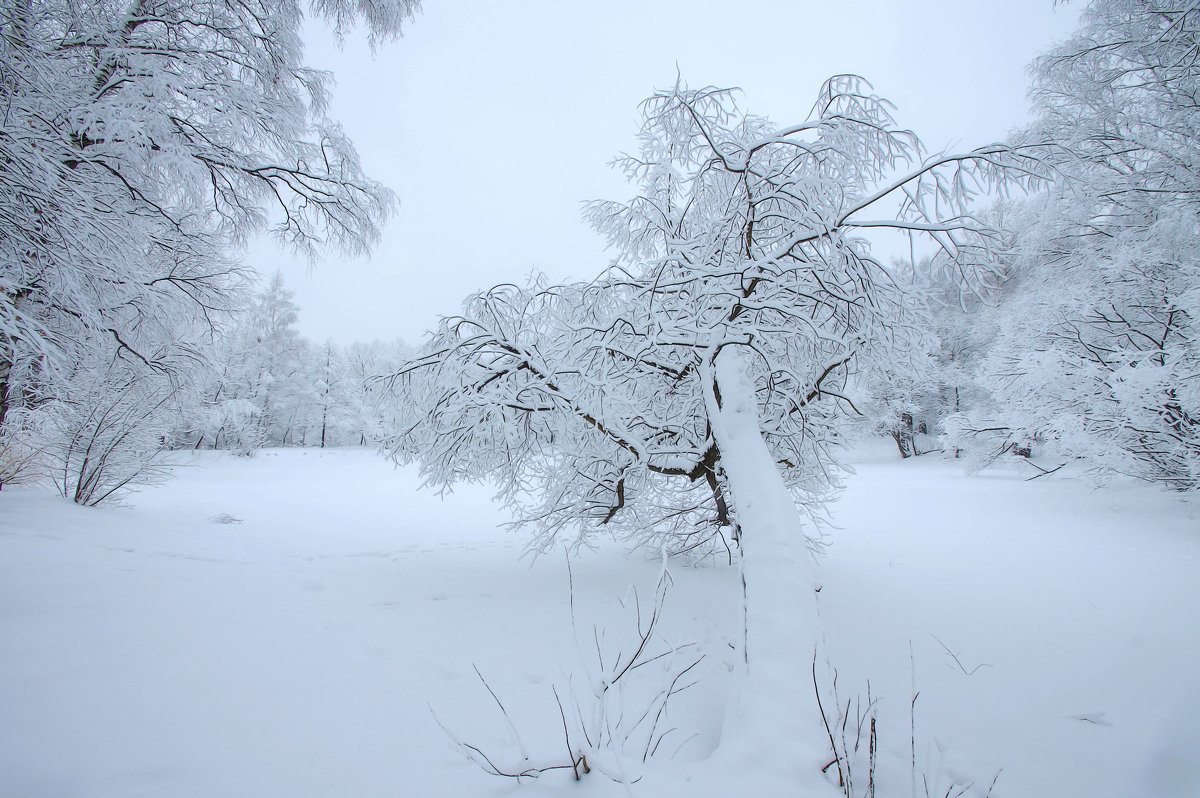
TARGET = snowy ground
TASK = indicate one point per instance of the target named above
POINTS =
(302, 648)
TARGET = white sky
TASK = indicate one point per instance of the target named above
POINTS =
(493, 121)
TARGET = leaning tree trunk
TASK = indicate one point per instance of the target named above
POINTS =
(773, 724)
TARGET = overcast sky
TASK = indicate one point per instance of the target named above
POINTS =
(494, 121)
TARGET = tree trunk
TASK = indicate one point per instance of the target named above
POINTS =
(773, 724)
(6, 360)
(5, 371)
(903, 435)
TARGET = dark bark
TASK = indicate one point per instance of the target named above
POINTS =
(903, 435)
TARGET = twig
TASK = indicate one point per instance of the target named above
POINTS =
(671, 690)
(912, 719)
(957, 661)
(1045, 472)
(873, 748)
(512, 730)
(837, 758)
(567, 735)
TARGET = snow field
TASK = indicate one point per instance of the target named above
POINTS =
(1071, 611)
(297, 650)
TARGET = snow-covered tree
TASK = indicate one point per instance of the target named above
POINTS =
(330, 406)
(273, 387)
(280, 384)
(262, 383)
(910, 397)
(704, 375)
(362, 369)
(374, 412)
(141, 141)
(1098, 351)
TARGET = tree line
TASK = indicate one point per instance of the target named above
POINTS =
(1046, 307)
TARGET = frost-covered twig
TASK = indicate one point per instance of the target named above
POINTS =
(609, 735)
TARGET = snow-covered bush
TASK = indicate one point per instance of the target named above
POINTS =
(109, 434)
